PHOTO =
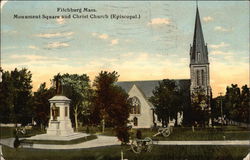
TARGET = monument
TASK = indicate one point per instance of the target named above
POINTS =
(59, 123)
(59, 127)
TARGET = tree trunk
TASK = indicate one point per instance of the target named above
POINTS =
(76, 120)
(103, 125)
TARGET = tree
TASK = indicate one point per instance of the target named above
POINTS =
(77, 88)
(111, 103)
(245, 105)
(232, 102)
(200, 107)
(237, 103)
(6, 98)
(22, 97)
(41, 104)
(167, 102)
(16, 97)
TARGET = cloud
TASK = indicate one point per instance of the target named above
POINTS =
(94, 34)
(60, 20)
(159, 21)
(129, 54)
(208, 19)
(58, 34)
(143, 56)
(218, 52)
(221, 45)
(222, 29)
(57, 45)
(35, 58)
(9, 32)
(103, 36)
(114, 41)
(33, 47)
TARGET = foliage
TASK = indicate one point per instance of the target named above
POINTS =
(16, 97)
(41, 104)
(111, 103)
(237, 103)
(200, 107)
(167, 101)
(77, 88)
(6, 98)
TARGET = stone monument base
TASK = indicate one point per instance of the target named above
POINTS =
(49, 137)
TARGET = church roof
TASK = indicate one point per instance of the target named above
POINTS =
(198, 41)
(147, 86)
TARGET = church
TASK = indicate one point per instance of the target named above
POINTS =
(142, 115)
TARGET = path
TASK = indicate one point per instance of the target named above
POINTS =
(232, 142)
(102, 141)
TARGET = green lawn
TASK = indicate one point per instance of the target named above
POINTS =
(182, 134)
(113, 153)
(179, 133)
(8, 132)
(186, 133)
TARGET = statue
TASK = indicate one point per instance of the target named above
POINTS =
(58, 81)
(54, 114)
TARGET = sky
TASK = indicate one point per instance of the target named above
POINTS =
(153, 47)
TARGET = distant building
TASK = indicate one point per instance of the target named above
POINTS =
(142, 115)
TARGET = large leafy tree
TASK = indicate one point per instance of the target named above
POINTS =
(16, 96)
(22, 100)
(237, 103)
(200, 107)
(111, 103)
(77, 88)
(232, 102)
(6, 98)
(245, 105)
(167, 101)
(41, 104)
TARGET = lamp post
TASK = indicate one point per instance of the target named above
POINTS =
(221, 111)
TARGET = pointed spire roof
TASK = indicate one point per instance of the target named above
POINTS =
(198, 40)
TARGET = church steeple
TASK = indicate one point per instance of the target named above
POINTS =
(199, 64)
(198, 51)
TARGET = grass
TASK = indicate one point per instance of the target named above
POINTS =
(75, 141)
(186, 133)
(113, 153)
(8, 132)
(179, 133)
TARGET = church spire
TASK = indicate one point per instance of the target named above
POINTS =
(199, 49)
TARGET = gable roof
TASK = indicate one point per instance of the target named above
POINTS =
(147, 87)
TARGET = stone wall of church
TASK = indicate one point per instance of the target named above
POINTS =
(145, 118)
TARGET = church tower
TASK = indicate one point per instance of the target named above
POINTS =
(199, 63)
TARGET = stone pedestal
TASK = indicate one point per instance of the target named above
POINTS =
(59, 123)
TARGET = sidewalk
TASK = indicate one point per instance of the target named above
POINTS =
(232, 142)
(102, 141)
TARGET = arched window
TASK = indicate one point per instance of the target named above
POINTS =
(135, 120)
(198, 57)
(136, 109)
(198, 77)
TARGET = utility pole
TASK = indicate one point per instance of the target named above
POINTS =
(221, 111)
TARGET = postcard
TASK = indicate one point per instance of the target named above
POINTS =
(124, 80)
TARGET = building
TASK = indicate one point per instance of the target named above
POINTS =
(142, 115)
